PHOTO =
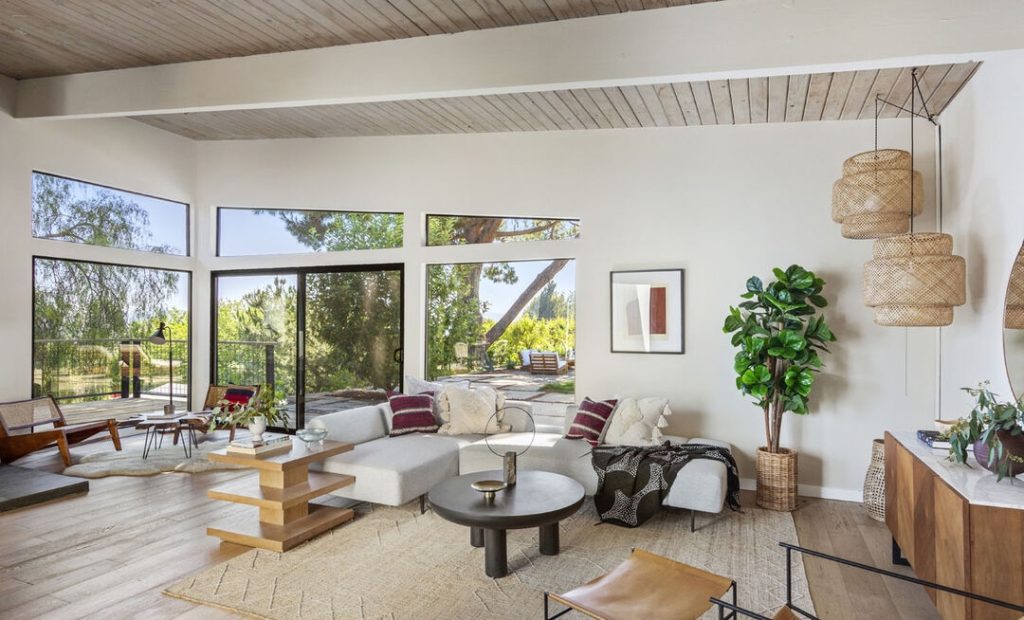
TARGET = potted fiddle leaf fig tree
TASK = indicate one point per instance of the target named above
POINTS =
(780, 337)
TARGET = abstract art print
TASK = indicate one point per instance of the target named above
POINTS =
(647, 311)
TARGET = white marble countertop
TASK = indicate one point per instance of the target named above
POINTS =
(974, 483)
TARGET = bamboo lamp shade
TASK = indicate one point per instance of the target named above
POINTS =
(915, 280)
(872, 200)
(1015, 295)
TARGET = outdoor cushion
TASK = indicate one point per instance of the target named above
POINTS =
(396, 470)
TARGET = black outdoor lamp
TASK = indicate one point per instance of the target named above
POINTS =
(159, 338)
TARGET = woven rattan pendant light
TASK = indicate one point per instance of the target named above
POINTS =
(1015, 295)
(915, 280)
(875, 193)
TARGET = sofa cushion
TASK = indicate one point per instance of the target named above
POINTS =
(589, 422)
(466, 411)
(548, 452)
(412, 414)
(396, 470)
(353, 425)
(638, 422)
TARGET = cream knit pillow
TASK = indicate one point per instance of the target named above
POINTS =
(466, 412)
(638, 422)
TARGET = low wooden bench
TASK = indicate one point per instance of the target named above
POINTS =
(19, 435)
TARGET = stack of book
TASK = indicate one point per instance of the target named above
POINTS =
(935, 439)
(272, 443)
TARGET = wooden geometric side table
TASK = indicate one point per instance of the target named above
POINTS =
(282, 493)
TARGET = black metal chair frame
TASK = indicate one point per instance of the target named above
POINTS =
(790, 548)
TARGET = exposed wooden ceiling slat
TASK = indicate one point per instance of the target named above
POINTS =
(58, 37)
(758, 89)
(778, 90)
(796, 97)
(824, 96)
(817, 93)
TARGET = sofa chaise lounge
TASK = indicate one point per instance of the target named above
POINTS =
(396, 470)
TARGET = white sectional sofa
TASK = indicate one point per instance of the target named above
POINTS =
(397, 470)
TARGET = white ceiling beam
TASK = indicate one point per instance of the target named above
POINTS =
(731, 39)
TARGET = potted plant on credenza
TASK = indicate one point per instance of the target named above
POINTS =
(994, 430)
(780, 335)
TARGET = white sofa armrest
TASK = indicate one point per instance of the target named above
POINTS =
(357, 425)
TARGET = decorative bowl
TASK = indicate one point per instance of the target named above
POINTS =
(489, 488)
(944, 426)
(311, 435)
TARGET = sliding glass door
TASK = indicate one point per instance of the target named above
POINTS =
(328, 338)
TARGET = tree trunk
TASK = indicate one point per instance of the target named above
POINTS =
(542, 279)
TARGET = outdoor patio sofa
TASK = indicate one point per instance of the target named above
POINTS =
(397, 470)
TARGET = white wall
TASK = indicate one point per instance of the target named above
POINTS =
(723, 203)
(116, 152)
(984, 155)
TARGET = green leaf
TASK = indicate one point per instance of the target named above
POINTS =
(754, 285)
(756, 375)
(781, 275)
(818, 300)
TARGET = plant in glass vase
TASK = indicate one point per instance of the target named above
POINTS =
(779, 338)
(266, 408)
(995, 429)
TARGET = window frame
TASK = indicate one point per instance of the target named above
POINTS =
(190, 304)
(188, 216)
(427, 243)
(219, 228)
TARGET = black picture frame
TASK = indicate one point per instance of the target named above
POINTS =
(615, 309)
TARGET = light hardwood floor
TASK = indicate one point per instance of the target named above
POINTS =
(109, 554)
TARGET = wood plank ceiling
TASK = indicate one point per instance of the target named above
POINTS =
(821, 96)
(40, 38)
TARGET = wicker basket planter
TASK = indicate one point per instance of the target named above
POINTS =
(874, 482)
(776, 479)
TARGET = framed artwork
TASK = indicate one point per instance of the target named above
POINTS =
(647, 311)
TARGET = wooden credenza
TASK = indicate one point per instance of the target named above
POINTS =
(956, 526)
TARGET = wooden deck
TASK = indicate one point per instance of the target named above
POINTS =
(118, 408)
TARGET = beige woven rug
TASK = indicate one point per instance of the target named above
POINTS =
(395, 564)
(131, 463)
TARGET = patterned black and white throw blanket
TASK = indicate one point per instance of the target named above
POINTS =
(633, 481)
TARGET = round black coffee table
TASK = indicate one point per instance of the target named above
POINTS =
(539, 499)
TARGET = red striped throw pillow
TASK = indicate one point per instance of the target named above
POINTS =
(591, 418)
(412, 414)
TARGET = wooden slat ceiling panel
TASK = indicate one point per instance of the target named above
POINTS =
(40, 38)
(794, 98)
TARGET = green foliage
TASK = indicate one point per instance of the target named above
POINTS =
(551, 303)
(269, 403)
(567, 386)
(779, 336)
(558, 335)
(454, 313)
(989, 418)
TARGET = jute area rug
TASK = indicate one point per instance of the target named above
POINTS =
(131, 463)
(395, 564)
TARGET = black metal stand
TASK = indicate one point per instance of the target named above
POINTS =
(897, 555)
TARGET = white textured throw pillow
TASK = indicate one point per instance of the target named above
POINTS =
(466, 412)
(419, 386)
(638, 422)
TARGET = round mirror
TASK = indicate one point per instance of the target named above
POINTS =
(1013, 326)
